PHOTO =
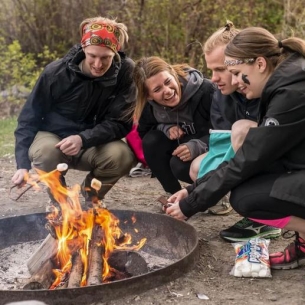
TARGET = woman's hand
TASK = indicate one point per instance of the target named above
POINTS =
(173, 210)
(175, 132)
(178, 196)
(182, 152)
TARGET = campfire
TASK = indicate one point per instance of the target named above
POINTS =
(85, 246)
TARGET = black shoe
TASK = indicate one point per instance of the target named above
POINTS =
(246, 229)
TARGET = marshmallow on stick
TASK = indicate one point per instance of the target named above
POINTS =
(96, 184)
(61, 167)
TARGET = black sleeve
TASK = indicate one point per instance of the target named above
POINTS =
(223, 111)
(147, 121)
(30, 119)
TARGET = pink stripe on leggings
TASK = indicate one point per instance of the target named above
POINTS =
(278, 223)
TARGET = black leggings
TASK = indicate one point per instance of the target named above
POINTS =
(168, 169)
(251, 199)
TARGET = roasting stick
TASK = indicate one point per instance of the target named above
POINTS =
(61, 167)
(96, 185)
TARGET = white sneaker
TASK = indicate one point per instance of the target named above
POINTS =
(139, 171)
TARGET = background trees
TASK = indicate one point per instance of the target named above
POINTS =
(41, 30)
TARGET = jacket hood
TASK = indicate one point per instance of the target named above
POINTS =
(75, 55)
(294, 66)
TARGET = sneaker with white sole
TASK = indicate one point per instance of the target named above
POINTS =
(246, 229)
(139, 171)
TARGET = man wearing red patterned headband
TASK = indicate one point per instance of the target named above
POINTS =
(76, 113)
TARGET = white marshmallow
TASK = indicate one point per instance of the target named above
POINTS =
(61, 167)
(96, 184)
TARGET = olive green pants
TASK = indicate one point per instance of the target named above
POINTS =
(107, 163)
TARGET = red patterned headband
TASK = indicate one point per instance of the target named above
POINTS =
(100, 34)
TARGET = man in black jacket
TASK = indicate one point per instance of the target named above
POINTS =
(75, 113)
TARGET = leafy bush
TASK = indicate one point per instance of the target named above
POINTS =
(18, 68)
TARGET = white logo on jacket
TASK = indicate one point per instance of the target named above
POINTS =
(272, 122)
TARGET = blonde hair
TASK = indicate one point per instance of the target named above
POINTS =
(256, 42)
(221, 37)
(121, 27)
(147, 67)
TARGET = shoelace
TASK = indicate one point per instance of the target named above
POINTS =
(298, 245)
(287, 234)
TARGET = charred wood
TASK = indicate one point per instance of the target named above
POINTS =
(42, 279)
(128, 262)
(96, 254)
(77, 270)
(46, 251)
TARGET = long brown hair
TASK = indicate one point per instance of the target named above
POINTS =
(147, 67)
(256, 42)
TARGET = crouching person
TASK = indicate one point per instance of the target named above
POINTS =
(75, 113)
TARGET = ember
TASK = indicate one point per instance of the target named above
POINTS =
(86, 239)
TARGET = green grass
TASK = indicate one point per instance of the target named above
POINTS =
(7, 139)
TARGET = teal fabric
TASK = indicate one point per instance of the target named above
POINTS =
(220, 150)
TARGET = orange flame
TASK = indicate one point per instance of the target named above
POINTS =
(74, 227)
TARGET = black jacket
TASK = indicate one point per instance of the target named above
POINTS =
(66, 102)
(227, 109)
(279, 139)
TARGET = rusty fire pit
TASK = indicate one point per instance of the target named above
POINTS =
(167, 238)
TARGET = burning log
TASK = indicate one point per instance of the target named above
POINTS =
(97, 252)
(77, 270)
(43, 254)
(42, 279)
(80, 242)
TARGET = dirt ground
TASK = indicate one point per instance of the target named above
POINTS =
(211, 274)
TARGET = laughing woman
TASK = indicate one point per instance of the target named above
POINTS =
(267, 183)
(173, 109)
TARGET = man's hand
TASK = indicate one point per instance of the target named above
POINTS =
(175, 132)
(19, 176)
(71, 145)
(182, 152)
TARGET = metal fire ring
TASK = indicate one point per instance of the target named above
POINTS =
(168, 237)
